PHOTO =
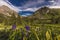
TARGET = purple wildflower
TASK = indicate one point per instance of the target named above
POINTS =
(14, 26)
(27, 28)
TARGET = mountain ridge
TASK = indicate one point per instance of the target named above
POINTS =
(6, 10)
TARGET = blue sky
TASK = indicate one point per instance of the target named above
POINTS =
(18, 2)
(29, 5)
(33, 3)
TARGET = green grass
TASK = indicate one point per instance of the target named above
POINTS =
(37, 32)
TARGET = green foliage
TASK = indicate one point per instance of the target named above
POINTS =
(19, 20)
(13, 19)
(45, 15)
(42, 32)
(44, 25)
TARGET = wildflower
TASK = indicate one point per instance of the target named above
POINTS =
(14, 26)
(27, 28)
(27, 31)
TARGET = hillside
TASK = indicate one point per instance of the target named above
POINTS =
(6, 11)
(8, 16)
(42, 15)
(46, 14)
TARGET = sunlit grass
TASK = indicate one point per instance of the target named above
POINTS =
(36, 32)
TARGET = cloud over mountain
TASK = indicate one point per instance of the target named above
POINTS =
(29, 5)
(6, 2)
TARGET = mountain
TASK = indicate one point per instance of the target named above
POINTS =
(6, 11)
(39, 13)
(8, 16)
(45, 14)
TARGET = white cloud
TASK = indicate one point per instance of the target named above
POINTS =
(31, 9)
(32, 3)
(52, 1)
(5, 2)
(54, 6)
(26, 6)
(17, 9)
(26, 15)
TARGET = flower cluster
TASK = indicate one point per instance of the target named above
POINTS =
(27, 28)
(14, 27)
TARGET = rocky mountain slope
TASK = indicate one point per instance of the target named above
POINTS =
(6, 11)
(46, 14)
(8, 16)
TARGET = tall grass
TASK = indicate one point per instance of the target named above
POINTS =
(41, 32)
